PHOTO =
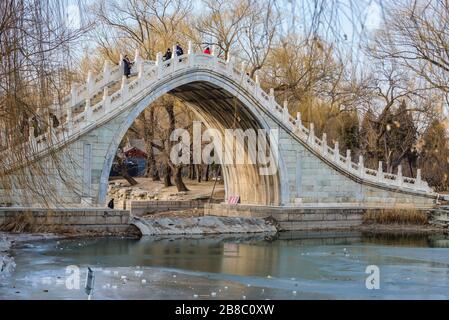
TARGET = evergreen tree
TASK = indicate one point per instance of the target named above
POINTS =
(434, 156)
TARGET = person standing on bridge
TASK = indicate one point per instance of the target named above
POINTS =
(207, 50)
(167, 55)
(127, 66)
(179, 51)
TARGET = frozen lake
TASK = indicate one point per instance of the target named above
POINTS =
(314, 265)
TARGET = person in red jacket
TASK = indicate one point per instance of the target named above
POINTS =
(206, 51)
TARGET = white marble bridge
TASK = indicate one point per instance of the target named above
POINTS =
(97, 114)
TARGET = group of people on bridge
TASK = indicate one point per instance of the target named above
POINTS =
(127, 63)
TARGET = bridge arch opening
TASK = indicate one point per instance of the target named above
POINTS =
(219, 104)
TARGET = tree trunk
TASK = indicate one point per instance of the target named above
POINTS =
(206, 176)
(192, 169)
(410, 167)
(152, 168)
(167, 176)
(199, 172)
(124, 172)
(178, 179)
(149, 138)
(192, 172)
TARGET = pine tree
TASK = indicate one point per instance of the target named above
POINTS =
(434, 156)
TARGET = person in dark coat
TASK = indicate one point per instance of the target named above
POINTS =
(54, 120)
(179, 51)
(167, 55)
(35, 124)
(111, 204)
(127, 64)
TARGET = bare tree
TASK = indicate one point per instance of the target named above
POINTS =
(416, 37)
(35, 56)
(259, 30)
(223, 23)
(147, 25)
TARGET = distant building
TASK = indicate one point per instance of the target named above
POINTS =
(135, 151)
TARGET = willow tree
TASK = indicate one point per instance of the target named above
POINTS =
(35, 64)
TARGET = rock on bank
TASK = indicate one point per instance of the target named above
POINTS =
(201, 225)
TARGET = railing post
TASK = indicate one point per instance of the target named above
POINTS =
(106, 100)
(311, 137)
(418, 180)
(230, 65)
(88, 112)
(174, 57)
(285, 113)
(271, 100)
(189, 47)
(324, 143)
(400, 178)
(348, 159)
(214, 57)
(124, 87)
(90, 84)
(73, 95)
(361, 167)
(243, 69)
(31, 132)
(159, 64)
(137, 59)
(50, 129)
(140, 71)
(298, 120)
(380, 172)
(69, 124)
(336, 152)
(120, 62)
(106, 72)
(257, 85)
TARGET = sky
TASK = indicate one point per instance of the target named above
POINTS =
(371, 15)
(343, 34)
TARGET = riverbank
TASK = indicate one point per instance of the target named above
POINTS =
(8, 240)
(6, 261)
(401, 228)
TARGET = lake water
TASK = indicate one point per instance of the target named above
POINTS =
(297, 265)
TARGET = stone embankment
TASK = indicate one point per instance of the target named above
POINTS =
(6, 261)
(439, 217)
(80, 221)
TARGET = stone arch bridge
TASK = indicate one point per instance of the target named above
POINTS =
(310, 172)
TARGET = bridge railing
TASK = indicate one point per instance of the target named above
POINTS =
(152, 71)
(333, 155)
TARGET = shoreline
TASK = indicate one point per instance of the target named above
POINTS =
(401, 228)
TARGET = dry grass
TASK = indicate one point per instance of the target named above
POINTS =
(396, 216)
(22, 222)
